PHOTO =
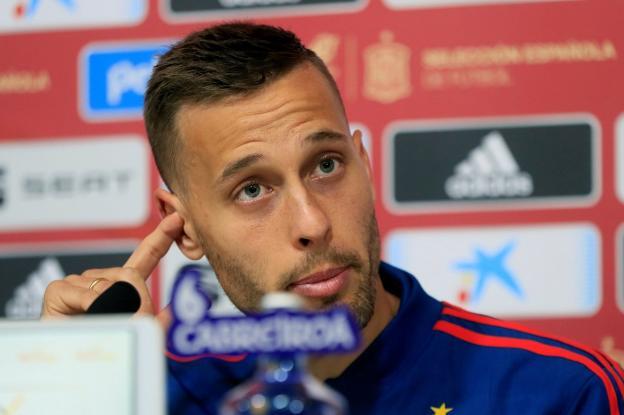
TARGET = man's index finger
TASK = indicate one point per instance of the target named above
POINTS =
(155, 245)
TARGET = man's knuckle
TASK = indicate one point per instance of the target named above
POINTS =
(154, 251)
(53, 288)
(55, 285)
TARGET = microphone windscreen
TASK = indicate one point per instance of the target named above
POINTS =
(121, 297)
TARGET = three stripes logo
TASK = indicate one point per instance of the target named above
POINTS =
(28, 296)
(545, 161)
(490, 170)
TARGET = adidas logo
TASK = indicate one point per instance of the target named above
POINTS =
(490, 170)
(28, 297)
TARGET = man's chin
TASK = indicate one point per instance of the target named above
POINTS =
(361, 313)
(359, 299)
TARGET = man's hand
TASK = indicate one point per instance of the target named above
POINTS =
(72, 294)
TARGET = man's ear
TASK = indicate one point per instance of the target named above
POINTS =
(356, 136)
(362, 152)
(188, 242)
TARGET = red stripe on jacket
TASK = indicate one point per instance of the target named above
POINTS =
(451, 310)
(534, 347)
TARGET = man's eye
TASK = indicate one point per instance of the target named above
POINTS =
(251, 191)
(327, 166)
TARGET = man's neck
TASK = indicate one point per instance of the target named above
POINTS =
(386, 307)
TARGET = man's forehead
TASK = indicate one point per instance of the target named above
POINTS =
(226, 136)
(304, 79)
(280, 104)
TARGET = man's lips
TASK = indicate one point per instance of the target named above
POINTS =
(322, 284)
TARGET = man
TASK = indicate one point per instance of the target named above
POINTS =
(250, 134)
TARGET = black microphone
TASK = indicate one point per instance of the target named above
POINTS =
(121, 297)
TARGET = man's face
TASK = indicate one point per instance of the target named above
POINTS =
(278, 193)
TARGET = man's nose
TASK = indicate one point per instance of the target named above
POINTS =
(310, 224)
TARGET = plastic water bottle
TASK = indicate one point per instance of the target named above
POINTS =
(281, 384)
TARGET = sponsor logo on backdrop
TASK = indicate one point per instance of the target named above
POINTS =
(494, 65)
(72, 183)
(28, 296)
(387, 75)
(341, 56)
(484, 267)
(403, 4)
(523, 271)
(171, 264)
(113, 79)
(194, 10)
(37, 15)
(25, 275)
(490, 170)
(546, 161)
(326, 46)
(60, 184)
(24, 82)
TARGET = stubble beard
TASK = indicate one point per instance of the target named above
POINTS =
(240, 283)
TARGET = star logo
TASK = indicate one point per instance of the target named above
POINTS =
(491, 266)
(441, 410)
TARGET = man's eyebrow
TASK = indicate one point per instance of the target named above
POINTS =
(324, 135)
(238, 165)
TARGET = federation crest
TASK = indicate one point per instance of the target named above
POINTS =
(387, 70)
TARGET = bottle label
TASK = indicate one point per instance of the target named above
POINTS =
(194, 332)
